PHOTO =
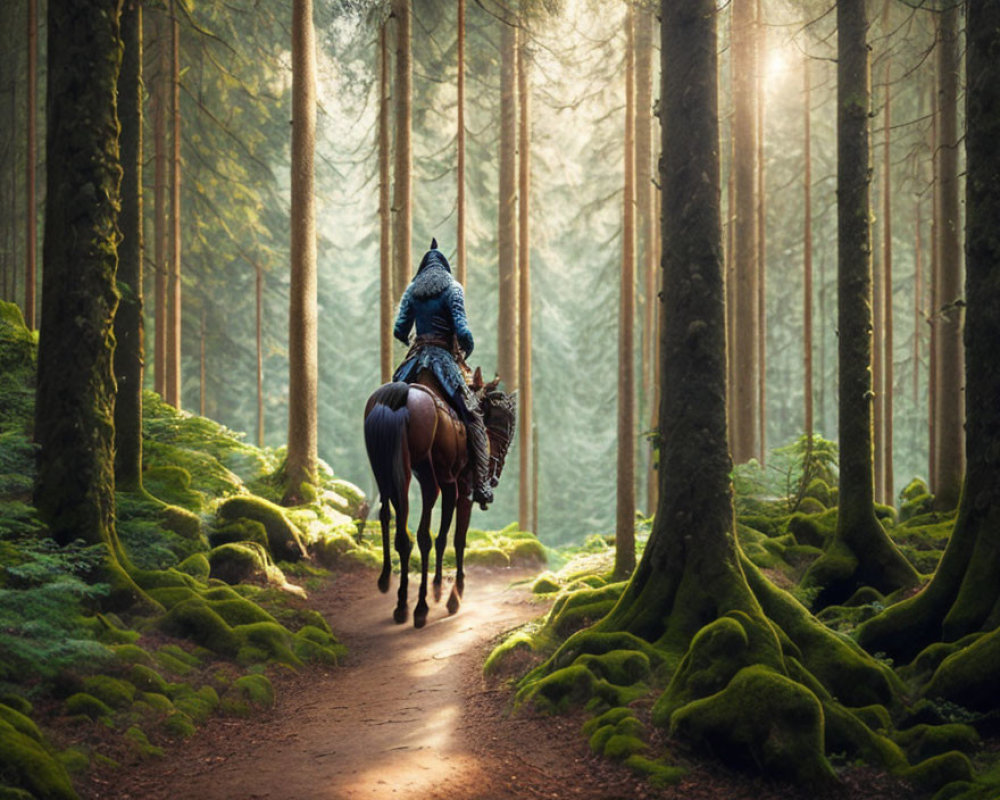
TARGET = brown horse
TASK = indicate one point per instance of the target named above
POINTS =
(411, 429)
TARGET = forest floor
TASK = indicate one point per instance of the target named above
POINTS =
(409, 713)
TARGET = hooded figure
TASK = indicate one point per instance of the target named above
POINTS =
(434, 302)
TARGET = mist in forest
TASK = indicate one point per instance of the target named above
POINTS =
(235, 76)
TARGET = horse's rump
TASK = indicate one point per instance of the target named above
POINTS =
(385, 432)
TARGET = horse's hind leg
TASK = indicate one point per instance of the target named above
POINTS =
(384, 517)
(461, 529)
(448, 493)
(429, 493)
(403, 547)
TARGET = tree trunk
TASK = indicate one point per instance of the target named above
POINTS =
(402, 201)
(525, 397)
(161, 234)
(963, 596)
(761, 207)
(861, 553)
(31, 160)
(300, 466)
(878, 396)
(948, 397)
(888, 479)
(202, 336)
(645, 221)
(507, 333)
(807, 255)
(918, 295)
(386, 295)
(692, 599)
(259, 328)
(625, 505)
(746, 322)
(932, 317)
(129, 334)
(173, 343)
(460, 133)
(74, 409)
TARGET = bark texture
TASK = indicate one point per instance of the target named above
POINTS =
(746, 321)
(525, 397)
(948, 407)
(690, 565)
(625, 497)
(861, 554)
(386, 294)
(129, 332)
(74, 410)
(161, 241)
(507, 334)
(964, 597)
(173, 340)
(302, 345)
(402, 200)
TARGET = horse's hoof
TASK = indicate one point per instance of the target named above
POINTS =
(383, 583)
(454, 602)
(437, 591)
(400, 615)
(419, 619)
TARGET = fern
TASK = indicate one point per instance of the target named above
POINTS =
(43, 594)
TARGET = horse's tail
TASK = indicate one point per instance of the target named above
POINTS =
(385, 432)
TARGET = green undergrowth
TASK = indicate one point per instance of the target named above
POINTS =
(784, 693)
(224, 570)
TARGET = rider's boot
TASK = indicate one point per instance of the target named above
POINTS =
(479, 450)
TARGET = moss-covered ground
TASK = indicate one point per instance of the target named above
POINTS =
(87, 679)
(773, 700)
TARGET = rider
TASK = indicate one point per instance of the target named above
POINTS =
(435, 302)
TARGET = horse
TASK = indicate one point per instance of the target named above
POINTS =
(410, 429)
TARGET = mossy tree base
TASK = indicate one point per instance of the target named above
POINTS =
(766, 687)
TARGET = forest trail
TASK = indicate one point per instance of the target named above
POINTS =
(408, 713)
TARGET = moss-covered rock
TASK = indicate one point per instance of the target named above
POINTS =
(238, 530)
(284, 539)
(923, 741)
(269, 637)
(27, 764)
(147, 679)
(546, 583)
(246, 693)
(938, 771)
(158, 702)
(115, 692)
(762, 721)
(195, 620)
(236, 563)
(184, 523)
(87, 705)
(140, 745)
(196, 565)
(198, 704)
(175, 660)
(487, 557)
(131, 654)
(659, 773)
(528, 553)
(179, 725)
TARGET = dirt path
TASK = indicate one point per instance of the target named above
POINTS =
(408, 714)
